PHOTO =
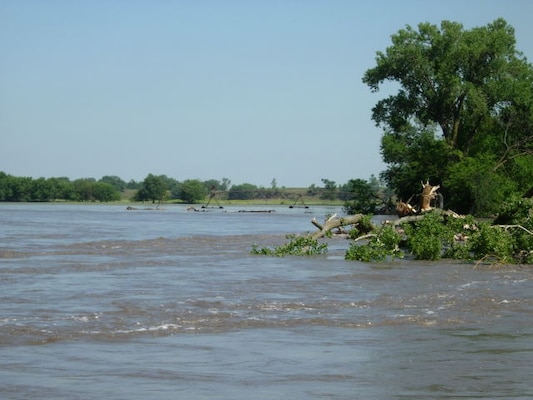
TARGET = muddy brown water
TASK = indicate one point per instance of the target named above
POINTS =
(101, 302)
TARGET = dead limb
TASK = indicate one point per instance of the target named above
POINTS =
(515, 226)
(364, 237)
(419, 217)
(334, 222)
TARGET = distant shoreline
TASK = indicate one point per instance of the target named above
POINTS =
(223, 203)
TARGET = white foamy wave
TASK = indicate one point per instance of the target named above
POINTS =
(155, 328)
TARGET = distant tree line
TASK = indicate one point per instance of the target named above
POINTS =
(50, 189)
(358, 195)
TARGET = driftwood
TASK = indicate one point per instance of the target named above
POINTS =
(130, 208)
(334, 222)
(256, 211)
(419, 217)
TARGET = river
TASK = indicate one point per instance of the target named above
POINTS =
(101, 302)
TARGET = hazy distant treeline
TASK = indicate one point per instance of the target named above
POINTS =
(359, 195)
(19, 189)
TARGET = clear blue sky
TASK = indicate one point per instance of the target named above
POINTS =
(249, 90)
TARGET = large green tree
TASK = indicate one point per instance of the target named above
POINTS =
(359, 197)
(153, 189)
(192, 191)
(464, 103)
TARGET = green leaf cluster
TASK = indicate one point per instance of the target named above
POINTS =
(436, 235)
(360, 197)
(245, 191)
(192, 191)
(297, 246)
(384, 245)
(492, 242)
(153, 188)
(517, 214)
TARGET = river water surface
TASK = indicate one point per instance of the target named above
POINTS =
(98, 302)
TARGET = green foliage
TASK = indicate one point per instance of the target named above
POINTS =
(475, 87)
(297, 245)
(360, 197)
(153, 188)
(384, 245)
(117, 183)
(84, 188)
(192, 191)
(518, 210)
(329, 192)
(313, 190)
(132, 184)
(412, 156)
(245, 191)
(49, 189)
(437, 236)
(42, 189)
(425, 237)
(213, 184)
(431, 236)
(103, 191)
(364, 226)
(175, 191)
(480, 190)
(492, 241)
(518, 215)
(425, 248)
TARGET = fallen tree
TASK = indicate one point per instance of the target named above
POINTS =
(430, 235)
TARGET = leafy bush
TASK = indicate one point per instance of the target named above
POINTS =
(425, 237)
(297, 245)
(492, 241)
(517, 214)
(380, 247)
(438, 235)
(192, 191)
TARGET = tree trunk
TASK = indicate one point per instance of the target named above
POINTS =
(334, 222)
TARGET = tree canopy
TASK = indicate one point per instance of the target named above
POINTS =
(193, 191)
(153, 189)
(463, 111)
(244, 191)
